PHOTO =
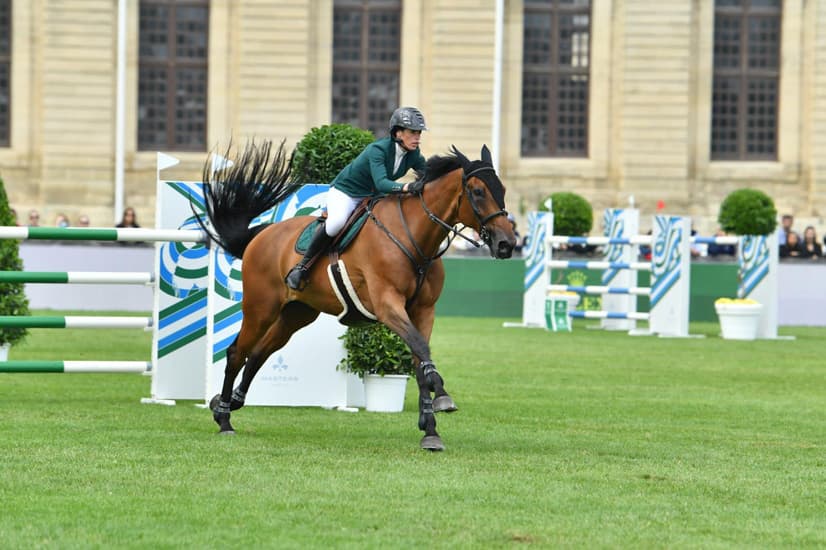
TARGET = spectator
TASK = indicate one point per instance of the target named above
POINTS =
(697, 249)
(715, 249)
(83, 221)
(34, 218)
(792, 247)
(14, 216)
(129, 218)
(645, 249)
(810, 248)
(61, 221)
(786, 222)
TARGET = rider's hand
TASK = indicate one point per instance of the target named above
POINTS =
(415, 187)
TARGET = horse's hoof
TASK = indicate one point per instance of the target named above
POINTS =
(234, 405)
(444, 403)
(226, 432)
(213, 403)
(432, 443)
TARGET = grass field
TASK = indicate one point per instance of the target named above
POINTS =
(588, 439)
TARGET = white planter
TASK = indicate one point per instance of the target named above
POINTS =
(739, 321)
(4, 352)
(384, 393)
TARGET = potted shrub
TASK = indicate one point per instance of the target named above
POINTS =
(13, 300)
(751, 214)
(323, 152)
(382, 359)
(573, 215)
(747, 212)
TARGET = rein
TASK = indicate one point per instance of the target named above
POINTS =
(421, 269)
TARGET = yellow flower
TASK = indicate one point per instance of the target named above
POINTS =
(735, 301)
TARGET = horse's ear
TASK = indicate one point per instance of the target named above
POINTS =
(486, 158)
(462, 158)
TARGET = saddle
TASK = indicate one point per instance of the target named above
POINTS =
(354, 312)
(346, 236)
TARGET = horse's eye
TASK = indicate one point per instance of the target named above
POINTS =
(478, 192)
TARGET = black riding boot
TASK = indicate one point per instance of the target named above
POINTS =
(296, 279)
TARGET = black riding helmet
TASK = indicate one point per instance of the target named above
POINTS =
(406, 117)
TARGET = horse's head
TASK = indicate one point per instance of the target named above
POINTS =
(485, 205)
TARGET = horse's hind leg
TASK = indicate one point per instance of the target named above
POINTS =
(294, 317)
(222, 404)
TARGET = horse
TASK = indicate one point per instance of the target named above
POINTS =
(394, 263)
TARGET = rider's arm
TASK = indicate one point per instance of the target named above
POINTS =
(378, 171)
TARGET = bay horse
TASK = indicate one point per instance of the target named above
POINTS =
(394, 263)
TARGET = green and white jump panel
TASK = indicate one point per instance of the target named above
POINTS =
(44, 321)
(75, 366)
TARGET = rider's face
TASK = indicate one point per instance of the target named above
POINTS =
(410, 138)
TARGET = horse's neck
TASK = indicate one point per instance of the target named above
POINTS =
(442, 199)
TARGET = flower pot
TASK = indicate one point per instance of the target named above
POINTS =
(739, 321)
(4, 352)
(384, 393)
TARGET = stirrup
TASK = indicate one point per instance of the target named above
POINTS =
(301, 283)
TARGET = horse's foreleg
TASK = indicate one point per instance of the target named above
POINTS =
(427, 378)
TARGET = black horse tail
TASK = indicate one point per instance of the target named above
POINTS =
(257, 180)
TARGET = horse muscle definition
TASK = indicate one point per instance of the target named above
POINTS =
(400, 285)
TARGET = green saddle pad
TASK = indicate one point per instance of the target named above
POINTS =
(350, 233)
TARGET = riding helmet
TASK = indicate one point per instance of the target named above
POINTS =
(407, 117)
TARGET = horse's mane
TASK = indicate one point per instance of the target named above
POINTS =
(437, 166)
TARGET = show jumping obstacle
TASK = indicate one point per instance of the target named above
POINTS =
(669, 267)
(84, 322)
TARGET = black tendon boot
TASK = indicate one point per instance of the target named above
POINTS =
(296, 279)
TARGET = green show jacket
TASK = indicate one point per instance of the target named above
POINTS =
(367, 175)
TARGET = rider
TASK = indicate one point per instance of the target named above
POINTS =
(374, 172)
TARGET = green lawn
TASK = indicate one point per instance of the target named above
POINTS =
(583, 439)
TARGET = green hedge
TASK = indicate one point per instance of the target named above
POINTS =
(13, 299)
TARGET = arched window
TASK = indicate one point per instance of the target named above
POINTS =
(746, 79)
(555, 78)
(366, 62)
(172, 75)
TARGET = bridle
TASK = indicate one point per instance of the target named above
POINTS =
(451, 231)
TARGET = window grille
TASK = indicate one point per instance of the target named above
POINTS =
(172, 75)
(555, 78)
(366, 62)
(746, 79)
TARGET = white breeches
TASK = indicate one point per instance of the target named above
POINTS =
(339, 207)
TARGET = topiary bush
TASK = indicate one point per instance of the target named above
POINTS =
(323, 152)
(573, 215)
(13, 300)
(375, 349)
(747, 212)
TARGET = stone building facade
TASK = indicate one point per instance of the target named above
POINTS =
(270, 69)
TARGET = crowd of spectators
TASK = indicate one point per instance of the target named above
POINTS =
(793, 246)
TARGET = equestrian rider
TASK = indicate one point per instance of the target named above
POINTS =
(374, 172)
